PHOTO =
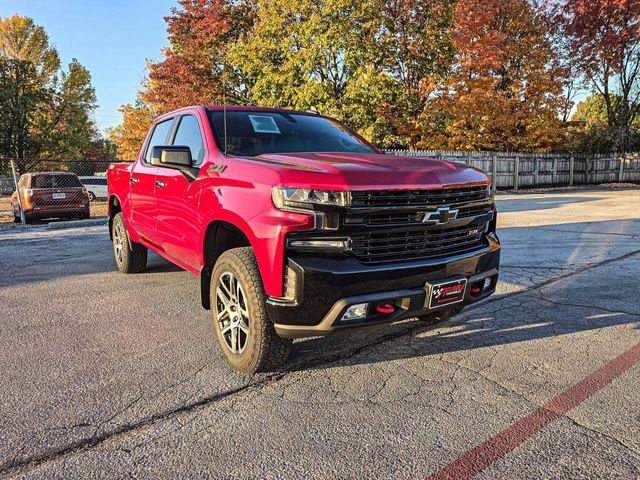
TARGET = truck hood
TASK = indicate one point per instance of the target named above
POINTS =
(369, 171)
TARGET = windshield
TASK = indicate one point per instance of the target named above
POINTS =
(255, 133)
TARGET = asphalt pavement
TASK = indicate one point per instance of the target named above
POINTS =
(112, 376)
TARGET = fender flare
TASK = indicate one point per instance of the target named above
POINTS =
(206, 271)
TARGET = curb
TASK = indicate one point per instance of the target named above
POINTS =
(99, 221)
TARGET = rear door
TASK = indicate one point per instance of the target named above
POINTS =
(142, 185)
(177, 196)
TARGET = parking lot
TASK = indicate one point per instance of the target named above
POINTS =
(110, 376)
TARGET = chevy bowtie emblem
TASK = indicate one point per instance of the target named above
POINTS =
(441, 216)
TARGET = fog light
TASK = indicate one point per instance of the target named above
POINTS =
(487, 283)
(356, 311)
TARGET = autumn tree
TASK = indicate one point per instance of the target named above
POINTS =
(504, 91)
(416, 51)
(604, 41)
(45, 111)
(194, 67)
(129, 135)
(455, 74)
(193, 70)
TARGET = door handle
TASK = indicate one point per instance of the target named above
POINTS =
(160, 184)
(134, 180)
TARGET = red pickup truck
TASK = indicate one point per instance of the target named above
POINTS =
(299, 227)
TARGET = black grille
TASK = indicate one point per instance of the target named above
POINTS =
(399, 198)
(464, 212)
(391, 218)
(413, 217)
(387, 247)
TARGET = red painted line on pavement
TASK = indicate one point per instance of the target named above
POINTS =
(477, 459)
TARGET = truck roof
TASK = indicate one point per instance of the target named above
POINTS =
(234, 108)
(245, 108)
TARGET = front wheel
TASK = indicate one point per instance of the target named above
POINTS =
(131, 257)
(244, 332)
(92, 196)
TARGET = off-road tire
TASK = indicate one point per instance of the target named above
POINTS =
(134, 255)
(265, 350)
(440, 315)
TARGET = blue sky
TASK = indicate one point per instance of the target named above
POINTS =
(112, 38)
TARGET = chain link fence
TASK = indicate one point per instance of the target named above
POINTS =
(41, 191)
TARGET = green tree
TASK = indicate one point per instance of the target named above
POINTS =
(45, 111)
(603, 38)
(592, 132)
(362, 61)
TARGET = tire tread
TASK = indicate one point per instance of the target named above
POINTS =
(271, 351)
(135, 255)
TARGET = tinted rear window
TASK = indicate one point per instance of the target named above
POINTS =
(55, 181)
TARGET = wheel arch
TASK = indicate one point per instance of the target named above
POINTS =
(114, 207)
(219, 236)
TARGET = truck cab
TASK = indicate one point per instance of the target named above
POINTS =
(297, 226)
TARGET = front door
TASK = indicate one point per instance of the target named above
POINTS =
(177, 198)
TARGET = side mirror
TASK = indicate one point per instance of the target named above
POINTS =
(171, 156)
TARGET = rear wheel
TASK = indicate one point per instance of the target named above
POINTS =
(92, 196)
(440, 315)
(131, 257)
(244, 332)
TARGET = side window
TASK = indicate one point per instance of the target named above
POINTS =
(102, 181)
(188, 135)
(158, 137)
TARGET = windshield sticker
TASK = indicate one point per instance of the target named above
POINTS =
(263, 124)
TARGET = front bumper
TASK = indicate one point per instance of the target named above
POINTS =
(324, 288)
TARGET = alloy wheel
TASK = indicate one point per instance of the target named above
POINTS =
(118, 243)
(232, 313)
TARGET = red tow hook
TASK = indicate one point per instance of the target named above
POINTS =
(386, 308)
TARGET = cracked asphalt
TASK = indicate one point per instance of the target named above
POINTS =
(113, 376)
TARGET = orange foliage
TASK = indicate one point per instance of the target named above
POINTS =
(129, 135)
(503, 92)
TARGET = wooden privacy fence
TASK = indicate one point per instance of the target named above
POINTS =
(515, 170)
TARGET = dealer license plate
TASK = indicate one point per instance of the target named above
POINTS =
(446, 293)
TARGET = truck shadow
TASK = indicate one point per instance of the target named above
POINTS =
(46, 259)
(481, 327)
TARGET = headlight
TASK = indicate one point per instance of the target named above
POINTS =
(305, 199)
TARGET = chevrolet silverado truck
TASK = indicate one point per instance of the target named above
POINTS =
(299, 227)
